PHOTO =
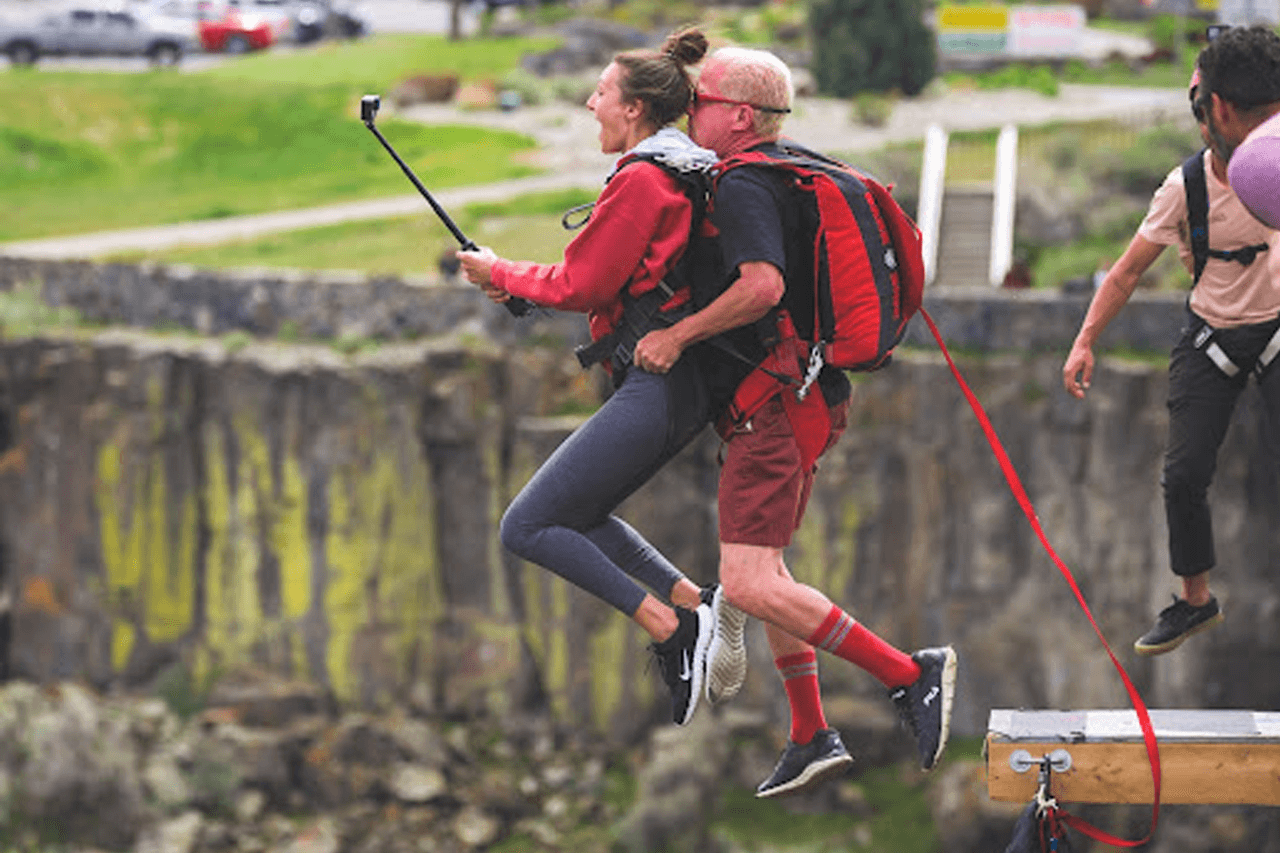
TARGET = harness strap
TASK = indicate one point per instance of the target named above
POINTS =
(1245, 255)
(1269, 353)
(780, 371)
(639, 316)
(1204, 341)
(1197, 194)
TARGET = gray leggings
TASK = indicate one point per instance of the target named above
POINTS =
(562, 519)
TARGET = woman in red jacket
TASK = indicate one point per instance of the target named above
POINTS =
(640, 227)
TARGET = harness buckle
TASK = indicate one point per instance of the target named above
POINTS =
(1204, 341)
(1246, 255)
(811, 374)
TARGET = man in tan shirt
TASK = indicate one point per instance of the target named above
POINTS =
(1233, 329)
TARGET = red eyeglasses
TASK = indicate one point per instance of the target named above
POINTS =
(699, 97)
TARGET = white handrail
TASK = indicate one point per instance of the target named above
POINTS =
(933, 171)
(1002, 212)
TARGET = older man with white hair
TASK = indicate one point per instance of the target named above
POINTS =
(767, 239)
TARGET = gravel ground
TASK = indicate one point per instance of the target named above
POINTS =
(569, 134)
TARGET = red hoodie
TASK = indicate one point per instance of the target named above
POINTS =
(637, 232)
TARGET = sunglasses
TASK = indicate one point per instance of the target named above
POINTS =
(1198, 106)
(704, 98)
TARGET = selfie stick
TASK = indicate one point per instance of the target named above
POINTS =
(369, 105)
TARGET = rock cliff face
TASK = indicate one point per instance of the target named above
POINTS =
(166, 501)
(175, 509)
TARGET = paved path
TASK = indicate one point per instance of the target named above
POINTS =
(569, 149)
(233, 228)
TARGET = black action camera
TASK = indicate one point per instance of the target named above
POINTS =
(369, 105)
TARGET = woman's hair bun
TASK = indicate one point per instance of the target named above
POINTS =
(686, 47)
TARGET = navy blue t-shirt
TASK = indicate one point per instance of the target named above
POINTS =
(762, 217)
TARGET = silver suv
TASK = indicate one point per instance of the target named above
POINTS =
(88, 30)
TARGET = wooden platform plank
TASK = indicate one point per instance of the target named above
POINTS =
(1206, 756)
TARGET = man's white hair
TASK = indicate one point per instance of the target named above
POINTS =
(757, 77)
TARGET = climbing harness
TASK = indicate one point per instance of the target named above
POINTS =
(1204, 341)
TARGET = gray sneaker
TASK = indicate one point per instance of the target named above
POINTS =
(727, 654)
(802, 766)
(1176, 623)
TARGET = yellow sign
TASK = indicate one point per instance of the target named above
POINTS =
(973, 18)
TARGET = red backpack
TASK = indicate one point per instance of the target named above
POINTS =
(868, 283)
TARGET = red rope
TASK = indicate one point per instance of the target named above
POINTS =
(1020, 494)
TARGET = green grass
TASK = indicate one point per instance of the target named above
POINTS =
(902, 822)
(85, 152)
(527, 228)
(375, 64)
(1157, 75)
(769, 826)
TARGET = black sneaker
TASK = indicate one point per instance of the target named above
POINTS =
(1175, 623)
(727, 654)
(682, 659)
(925, 704)
(802, 766)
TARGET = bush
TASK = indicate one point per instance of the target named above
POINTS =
(1140, 168)
(871, 45)
(1037, 78)
(873, 109)
(1168, 32)
(532, 89)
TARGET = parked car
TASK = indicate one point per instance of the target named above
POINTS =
(304, 21)
(317, 19)
(345, 20)
(94, 31)
(232, 30)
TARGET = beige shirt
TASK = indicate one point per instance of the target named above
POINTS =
(1228, 294)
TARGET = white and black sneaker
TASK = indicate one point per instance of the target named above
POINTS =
(925, 704)
(727, 655)
(682, 659)
(802, 766)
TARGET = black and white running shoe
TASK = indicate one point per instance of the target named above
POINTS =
(925, 704)
(682, 660)
(803, 766)
(727, 655)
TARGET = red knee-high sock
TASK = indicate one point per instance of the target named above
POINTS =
(841, 635)
(800, 677)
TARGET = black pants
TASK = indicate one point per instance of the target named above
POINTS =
(1201, 401)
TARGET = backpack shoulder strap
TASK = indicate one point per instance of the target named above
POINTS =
(694, 183)
(1197, 192)
(641, 313)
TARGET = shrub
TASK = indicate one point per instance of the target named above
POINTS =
(532, 89)
(871, 45)
(873, 109)
(1141, 167)
(1168, 32)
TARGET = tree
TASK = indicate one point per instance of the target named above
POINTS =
(455, 19)
(871, 45)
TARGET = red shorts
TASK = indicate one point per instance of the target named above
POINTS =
(763, 492)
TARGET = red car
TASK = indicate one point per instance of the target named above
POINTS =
(230, 30)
